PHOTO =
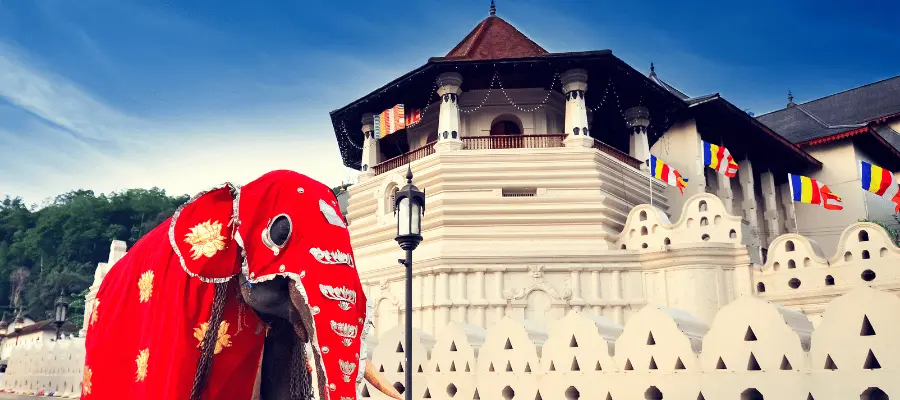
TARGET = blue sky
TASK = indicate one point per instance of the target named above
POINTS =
(183, 95)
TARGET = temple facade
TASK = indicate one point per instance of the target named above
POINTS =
(535, 165)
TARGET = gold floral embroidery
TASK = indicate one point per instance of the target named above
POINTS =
(94, 315)
(141, 362)
(205, 239)
(145, 284)
(223, 341)
(86, 381)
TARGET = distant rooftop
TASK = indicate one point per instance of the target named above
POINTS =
(837, 113)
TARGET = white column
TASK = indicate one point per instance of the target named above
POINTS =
(790, 214)
(500, 305)
(577, 302)
(574, 85)
(616, 284)
(461, 302)
(418, 302)
(448, 121)
(773, 225)
(597, 295)
(638, 119)
(370, 148)
(430, 315)
(748, 205)
(443, 301)
(725, 192)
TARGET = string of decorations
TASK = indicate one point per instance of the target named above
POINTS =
(603, 99)
(427, 104)
(538, 107)
(486, 96)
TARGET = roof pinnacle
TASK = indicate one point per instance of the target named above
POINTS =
(652, 68)
(493, 9)
(790, 99)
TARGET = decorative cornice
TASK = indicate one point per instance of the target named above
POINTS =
(537, 283)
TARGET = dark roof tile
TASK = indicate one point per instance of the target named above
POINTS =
(493, 39)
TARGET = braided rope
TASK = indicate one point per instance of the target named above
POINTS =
(301, 379)
(209, 341)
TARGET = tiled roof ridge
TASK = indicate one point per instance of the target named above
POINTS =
(832, 95)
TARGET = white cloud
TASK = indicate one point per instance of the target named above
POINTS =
(79, 141)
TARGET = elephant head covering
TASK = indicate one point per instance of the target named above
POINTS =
(169, 322)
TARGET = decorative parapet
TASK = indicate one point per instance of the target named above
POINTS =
(704, 219)
(752, 338)
(798, 269)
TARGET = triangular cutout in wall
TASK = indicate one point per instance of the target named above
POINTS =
(573, 342)
(538, 396)
(400, 367)
(420, 369)
(467, 367)
(365, 391)
(809, 397)
(598, 367)
(609, 396)
(750, 336)
(785, 364)
(628, 366)
(491, 367)
(871, 361)
(381, 368)
(700, 396)
(399, 347)
(452, 366)
(721, 364)
(527, 367)
(476, 396)
(752, 364)
(867, 329)
(508, 345)
(679, 364)
(453, 346)
(829, 363)
(427, 394)
(552, 366)
(437, 368)
(575, 366)
(650, 340)
(652, 363)
(509, 367)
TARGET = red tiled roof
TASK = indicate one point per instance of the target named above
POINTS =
(493, 39)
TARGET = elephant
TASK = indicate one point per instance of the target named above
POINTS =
(245, 292)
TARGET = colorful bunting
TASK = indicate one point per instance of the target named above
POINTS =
(390, 121)
(809, 191)
(719, 159)
(663, 172)
(881, 182)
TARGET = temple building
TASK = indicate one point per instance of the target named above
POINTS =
(540, 198)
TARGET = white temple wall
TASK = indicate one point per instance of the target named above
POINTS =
(680, 148)
(56, 367)
(752, 346)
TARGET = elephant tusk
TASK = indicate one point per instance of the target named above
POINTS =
(378, 381)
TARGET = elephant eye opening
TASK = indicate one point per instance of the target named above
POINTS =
(280, 230)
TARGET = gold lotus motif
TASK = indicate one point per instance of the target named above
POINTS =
(141, 361)
(94, 315)
(223, 340)
(145, 284)
(86, 381)
(205, 239)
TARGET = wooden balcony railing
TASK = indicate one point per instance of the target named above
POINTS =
(404, 159)
(513, 142)
(618, 155)
(503, 142)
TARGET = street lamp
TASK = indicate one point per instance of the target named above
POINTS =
(62, 307)
(409, 206)
(4, 326)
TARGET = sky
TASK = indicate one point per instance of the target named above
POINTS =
(184, 95)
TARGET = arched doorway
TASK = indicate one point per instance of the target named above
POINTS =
(506, 132)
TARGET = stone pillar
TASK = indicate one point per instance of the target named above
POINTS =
(597, 295)
(748, 205)
(770, 201)
(500, 306)
(442, 303)
(574, 83)
(448, 122)
(461, 302)
(790, 214)
(724, 193)
(418, 302)
(370, 148)
(616, 289)
(638, 119)
(575, 280)
(479, 301)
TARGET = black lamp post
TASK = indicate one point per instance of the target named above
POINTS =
(62, 308)
(409, 206)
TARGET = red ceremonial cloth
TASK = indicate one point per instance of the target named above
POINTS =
(153, 308)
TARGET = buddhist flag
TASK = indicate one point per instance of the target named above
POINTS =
(807, 190)
(881, 182)
(718, 158)
(667, 174)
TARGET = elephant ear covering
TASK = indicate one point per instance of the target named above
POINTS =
(201, 234)
(290, 225)
(154, 307)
